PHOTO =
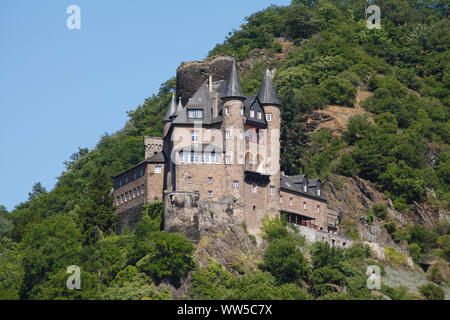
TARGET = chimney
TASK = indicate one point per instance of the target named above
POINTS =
(210, 82)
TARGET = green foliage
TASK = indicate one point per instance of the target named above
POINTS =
(432, 292)
(398, 293)
(170, 258)
(96, 214)
(48, 248)
(339, 91)
(285, 262)
(274, 229)
(379, 209)
(347, 166)
(415, 252)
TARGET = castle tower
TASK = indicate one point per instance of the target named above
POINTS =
(171, 112)
(269, 101)
(232, 131)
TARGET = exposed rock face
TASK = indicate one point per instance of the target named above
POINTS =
(185, 213)
(191, 75)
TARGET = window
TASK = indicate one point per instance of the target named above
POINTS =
(123, 198)
(210, 180)
(118, 200)
(126, 197)
(134, 193)
(120, 182)
(135, 175)
(290, 201)
(227, 135)
(227, 110)
(210, 194)
(235, 184)
(318, 209)
(269, 117)
(139, 191)
(143, 189)
(252, 113)
(304, 188)
(214, 158)
(254, 188)
(158, 169)
(126, 179)
(272, 190)
(195, 114)
(259, 115)
(141, 173)
(205, 157)
(281, 199)
(241, 134)
(318, 192)
(249, 135)
(189, 179)
(304, 205)
(194, 135)
(131, 194)
(227, 159)
(242, 111)
(259, 136)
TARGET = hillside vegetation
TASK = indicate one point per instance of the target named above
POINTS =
(323, 54)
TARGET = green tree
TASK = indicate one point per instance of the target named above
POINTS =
(432, 292)
(96, 214)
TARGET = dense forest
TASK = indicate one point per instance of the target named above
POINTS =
(404, 65)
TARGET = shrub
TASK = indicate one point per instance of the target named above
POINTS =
(347, 166)
(170, 259)
(274, 229)
(391, 227)
(435, 275)
(432, 292)
(339, 91)
(379, 209)
(415, 252)
(323, 255)
(285, 262)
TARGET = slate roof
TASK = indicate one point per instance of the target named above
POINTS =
(267, 94)
(295, 184)
(233, 87)
(171, 109)
(252, 103)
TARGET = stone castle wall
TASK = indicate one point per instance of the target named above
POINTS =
(185, 213)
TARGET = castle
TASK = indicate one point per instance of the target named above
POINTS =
(219, 159)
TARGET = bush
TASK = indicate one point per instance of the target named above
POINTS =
(323, 255)
(432, 292)
(285, 262)
(274, 229)
(170, 258)
(379, 210)
(415, 252)
(339, 91)
(391, 227)
(347, 166)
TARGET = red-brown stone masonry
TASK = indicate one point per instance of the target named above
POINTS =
(311, 208)
(154, 183)
(199, 173)
(135, 200)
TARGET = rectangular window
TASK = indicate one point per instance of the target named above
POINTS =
(143, 189)
(158, 169)
(272, 190)
(205, 157)
(259, 115)
(126, 179)
(227, 135)
(189, 179)
(118, 201)
(126, 197)
(249, 135)
(269, 117)
(210, 194)
(318, 192)
(227, 110)
(131, 194)
(195, 114)
(139, 191)
(141, 173)
(290, 201)
(194, 135)
(281, 199)
(254, 188)
(120, 182)
(304, 205)
(227, 159)
(318, 209)
(134, 193)
(235, 184)
(252, 113)
(123, 198)
(210, 180)
(135, 176)
(242, 111)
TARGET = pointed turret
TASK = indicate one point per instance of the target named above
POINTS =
(267, 94)
(233, 87)
(180, 105)
(171, 111)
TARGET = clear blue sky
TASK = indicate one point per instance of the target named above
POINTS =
(61, 89)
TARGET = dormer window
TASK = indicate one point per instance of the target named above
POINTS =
(252, 113)
(242, 111)
(195, 114)
(305, 188)
(259, 116)
(318, 192)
